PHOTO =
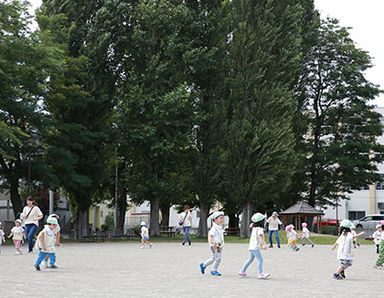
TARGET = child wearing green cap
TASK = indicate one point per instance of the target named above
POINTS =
(56, 232)
(216, 242)
(344, 251)
(46, 239)
(256, 243)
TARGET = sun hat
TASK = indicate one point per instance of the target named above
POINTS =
(353, 226)
(289, 227)
(304, 224)
(382, 223)
(257, 217)
(142, 223)
(345, 223)
(377, 226)
(274, 213)
(52, 221)
(216, 214)
(54, 216)
(18, 220)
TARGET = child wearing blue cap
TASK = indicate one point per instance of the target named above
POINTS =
(216, 243)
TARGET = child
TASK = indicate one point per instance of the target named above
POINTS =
(306, 235)
(17, 233)
(2, 238)
(216, 243)
(56, 232)
(344, 251)
(380, 259)
(291, 237)
(46, 239)
(377, 236)
(144, 235)
(256, 242)
(353, 232)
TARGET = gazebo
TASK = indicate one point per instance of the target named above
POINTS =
(302, 210)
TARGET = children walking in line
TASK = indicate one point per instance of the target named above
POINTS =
(2, 234)
(291, 237)
(256, 243)
(216, 243)
(306, 235)
(17, 234)
(56, 233)
(377, 236)
(344, 248)
(144, 236)
(380, 258)
(47, 239)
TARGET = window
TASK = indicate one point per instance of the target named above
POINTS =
(353, 215)
(380, 185)
(378, 217)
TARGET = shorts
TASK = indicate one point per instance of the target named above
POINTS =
(292, 242)
(344, 263)
(145, 238)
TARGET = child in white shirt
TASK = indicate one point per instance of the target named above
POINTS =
(353, 232)
(56, 232)
(306, 235)
(144, 235)
(256, 243)
(344, 251)
(377, 236)
(2, 234)
(291, 237)
(216, 243)
(380, 258)
(17, 234)
(47, 239)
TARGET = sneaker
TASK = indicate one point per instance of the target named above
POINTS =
(278, 245)
(303, 244)
(202, 268)
(183, 243)
(342, 273)
(45, 264)
(189, 243)
(142, 246)
(37, 267)
(296, 249)
(215, 273)
(378, 267)
(17, 253)
(53, 266)
(243, 274)
(263, 275)
(337, 276)
(271, 246)
(150, 245)
(313, 245)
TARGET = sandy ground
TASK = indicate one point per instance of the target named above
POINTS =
(172, 270)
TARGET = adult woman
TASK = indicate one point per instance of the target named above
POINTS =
(273, 227)
(185, 220)
(32, 214)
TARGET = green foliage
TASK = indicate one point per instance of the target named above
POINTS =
(109, 223)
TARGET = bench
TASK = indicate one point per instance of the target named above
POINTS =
(170, 231)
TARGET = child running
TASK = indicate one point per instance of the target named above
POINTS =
(380, 258)
(56, 233)
(306, 235)
(46, 239)
(2, 234)
(256, 242)
(377, 236)
(291, 237)
(344, 248)
(216, 243)
(144, 235)
(353, 232)
(17, 234)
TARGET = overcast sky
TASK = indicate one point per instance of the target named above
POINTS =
(367, 22)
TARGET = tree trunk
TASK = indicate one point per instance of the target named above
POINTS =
(246, 219)
(233, 221)
(165, 209)
(154, 227)
(17, 204)
(82, 224)
(122, 208)
(203, 228)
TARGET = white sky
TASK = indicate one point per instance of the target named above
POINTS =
(367, 21)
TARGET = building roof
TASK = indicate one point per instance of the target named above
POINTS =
(301, 207)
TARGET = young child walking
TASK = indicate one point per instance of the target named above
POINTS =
(380, 258)
(256, 243)
(144, 236)
(356, 243)
(17, 234)
(46, 239)
(2, 234)
(291, 237)
(216, 243)
(306, 235)
(56, 232)
(377, 236)
(344, 248)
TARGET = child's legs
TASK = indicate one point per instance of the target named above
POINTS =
(377, 248)
(40, 257)
(217, 259)
(344, 264)
(52, 258)
(303, 240)
(257, 254)
(211, 259)
(309, 239)
(17, 244)
(270, 237)
(277, 237)
(380, 259)
(249, 261)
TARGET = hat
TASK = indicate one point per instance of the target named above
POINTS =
(274, 213)
(216, 214)
(382, 223)
(345, 223)
(257, 217)
(289, 227)
(52, 221)
(142, 223)
(377, 226)
(353, 225)
(54, 216)
(18, 220)
(304, 224)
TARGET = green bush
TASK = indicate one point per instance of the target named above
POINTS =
(109, 223)
(329, 230)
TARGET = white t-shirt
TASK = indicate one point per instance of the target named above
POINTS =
(254, 241)
(218, 235)
(1, 236)
(382, 236)
(188, 219)
(305, 232)
(292, 235)
(273, 224)
(144, 232)
(17, 233)
(344, 250)
(32, 217)
(376, 236)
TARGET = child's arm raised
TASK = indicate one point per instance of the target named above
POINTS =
(358, 235)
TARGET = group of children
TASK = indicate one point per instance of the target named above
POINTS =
(46, 242)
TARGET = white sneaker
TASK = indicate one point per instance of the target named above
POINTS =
(45, 263)
(142, 246)
(17, 253)
(263, 275)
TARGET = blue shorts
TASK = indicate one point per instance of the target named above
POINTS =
(344, 263)
(145, 238)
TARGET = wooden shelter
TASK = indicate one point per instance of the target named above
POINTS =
(299, 212)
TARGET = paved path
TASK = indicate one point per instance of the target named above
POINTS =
(171, 270)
